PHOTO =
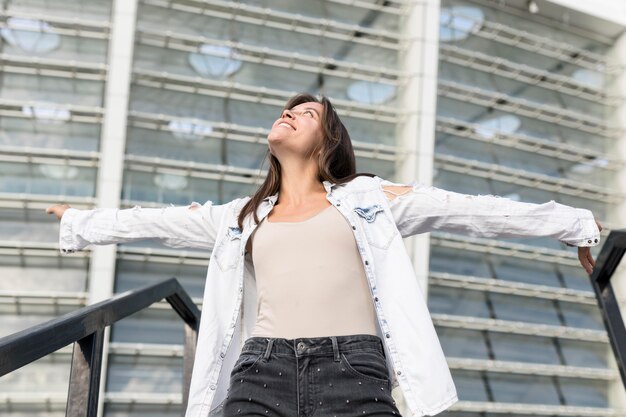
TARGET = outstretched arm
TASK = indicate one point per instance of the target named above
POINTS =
(417, 208)
(194, 226)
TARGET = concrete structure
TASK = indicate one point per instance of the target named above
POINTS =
(153, 102)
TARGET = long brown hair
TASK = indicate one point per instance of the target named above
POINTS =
(336, 162)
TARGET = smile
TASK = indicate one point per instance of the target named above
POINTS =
(286, 125)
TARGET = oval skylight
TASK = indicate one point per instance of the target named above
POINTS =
(189, 129)
(513, 196)
(505, 124)
(47, 113)
(59, 172)
(215, 61)
(30, 35)
(171, 181)
(458, 22)
(370, 93)
(588, 167)
(589, 77)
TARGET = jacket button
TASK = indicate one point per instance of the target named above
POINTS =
(595, 240)
(387, 335)
(589, 241)
(338, 204)
(222, 355)
(354, 227)
(399, 372)
(375, 298)
(212, 387)
(367, 263)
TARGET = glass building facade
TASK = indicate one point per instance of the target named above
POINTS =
(157, 102)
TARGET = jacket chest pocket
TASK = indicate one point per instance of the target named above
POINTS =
(227, 252)
(379, 228)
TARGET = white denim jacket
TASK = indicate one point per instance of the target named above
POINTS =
(415, 359)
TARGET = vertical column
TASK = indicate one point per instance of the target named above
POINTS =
(617, 213)
(418, 57)
(418, 96)
(112, 148)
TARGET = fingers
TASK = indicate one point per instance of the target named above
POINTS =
(586, 259)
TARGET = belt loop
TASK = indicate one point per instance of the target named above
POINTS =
(335, 347)
(269, 349)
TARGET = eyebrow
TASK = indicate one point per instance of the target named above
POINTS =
(311, 108)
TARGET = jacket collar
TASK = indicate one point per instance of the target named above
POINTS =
(272, 198)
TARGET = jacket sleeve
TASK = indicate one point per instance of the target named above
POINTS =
(427, 208)
(192, 226)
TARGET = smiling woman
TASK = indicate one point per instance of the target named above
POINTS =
(326, 286)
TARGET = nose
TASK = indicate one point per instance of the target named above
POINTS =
(287, 113)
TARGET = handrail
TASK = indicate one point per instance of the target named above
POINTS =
(606, 264)
(85, 328)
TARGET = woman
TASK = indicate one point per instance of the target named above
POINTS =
(311, 303)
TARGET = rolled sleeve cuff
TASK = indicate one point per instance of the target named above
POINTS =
(588, 233)
(67, 241)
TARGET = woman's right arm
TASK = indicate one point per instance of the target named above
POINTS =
(192, 226)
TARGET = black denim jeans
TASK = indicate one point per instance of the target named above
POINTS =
(334, 376)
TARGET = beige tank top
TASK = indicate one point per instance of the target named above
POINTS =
(310, 279)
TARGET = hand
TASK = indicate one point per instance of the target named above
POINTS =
(584, 255)
(58, 210)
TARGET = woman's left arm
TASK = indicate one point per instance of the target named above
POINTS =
(418, 208)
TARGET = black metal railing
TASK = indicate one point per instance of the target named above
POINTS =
(85, 329)
(606, 264)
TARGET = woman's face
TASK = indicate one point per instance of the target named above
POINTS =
(298, 131)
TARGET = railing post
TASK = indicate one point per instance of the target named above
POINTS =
(609, 258)
(82, 399)
(191, 338)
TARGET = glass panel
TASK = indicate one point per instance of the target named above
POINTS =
(167, 145)
(586, 354)
(465, 148)
(526, 389)
(132, 275)
(133, 374)
(582, 315)
(382, 168)
(150, 326)
(530, 26)
(250, 73)
(143, 186)
(254, 115)
(141, 410)
(49, 375)
(461, 263)
(462, 343)
(524, 309)
(33, 134)
(15, 323)
(79, 9)
(47, 180)
(459, 183)
(522, 348)
(470, 386)
(445, 300)
(585, 393)
(51, 89)
(529, 126)
(530, 272)
(339, 12)
(52, 278)
(214, 27)
(575, 277)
